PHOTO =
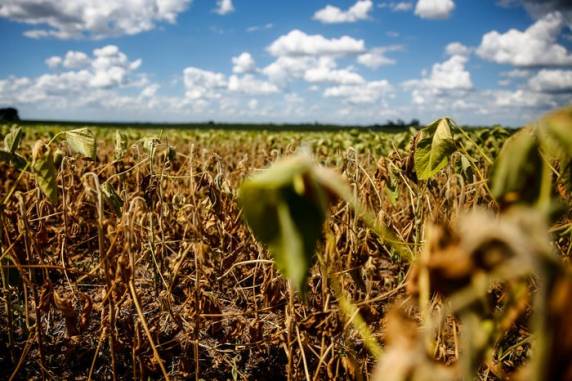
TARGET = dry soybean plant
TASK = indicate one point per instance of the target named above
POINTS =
(130, 258)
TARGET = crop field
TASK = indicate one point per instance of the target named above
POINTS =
(435, 253)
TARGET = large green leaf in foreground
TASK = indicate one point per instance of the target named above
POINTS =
(555, 133)
(285, 206)
(517, 170)
(433, 150)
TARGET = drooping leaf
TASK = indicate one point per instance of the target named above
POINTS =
(82, 141)
(12, 139)
(464, 167)
(285, 206)
(434, 148)
(120, 145)
(111, 198)
(516, 172)
(44, 171)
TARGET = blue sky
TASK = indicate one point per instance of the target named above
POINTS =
(333, 61)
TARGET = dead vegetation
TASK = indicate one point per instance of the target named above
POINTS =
(142, 267)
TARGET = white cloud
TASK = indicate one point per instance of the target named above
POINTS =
(371, 92)
(522, 98)
(376, 57)
(88, 80)
(224, 7)
(457, 49)
(91, 18)
(248, 84)
(203, 84)
(286, 68)
(53, 62)
(298, 43)
(451, 75)
(75, 60)
(334, 15)
(310, 69)
(446, 78)
(325, 72)
(244, 63)
(552, 81)
(434, 9)
(536, 46)
(110, 67)
(397, 6)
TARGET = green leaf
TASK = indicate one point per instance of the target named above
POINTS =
(285, 206)
(111, 198)
(13, 138)
(45, 171)
(82, 141)
(434, 148)
(120, 145)
(517, 170)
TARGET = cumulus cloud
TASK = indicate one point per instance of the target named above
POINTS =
(248, 84)
(224, 7)
(369, 93)
(536, 46)
(83, 80)
(91, 18)
(552, 81)
(325, 71)
(446, 78)
(298, 43)
(203, 84)
(75, 60)
(457, 49)
(334, 15)
(53, 62)
(313, 70)
(522, 99)
(244, 63)
(434, 9)
(376, 57)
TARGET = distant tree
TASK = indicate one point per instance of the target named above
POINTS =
(9, 114)
(414, 123)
